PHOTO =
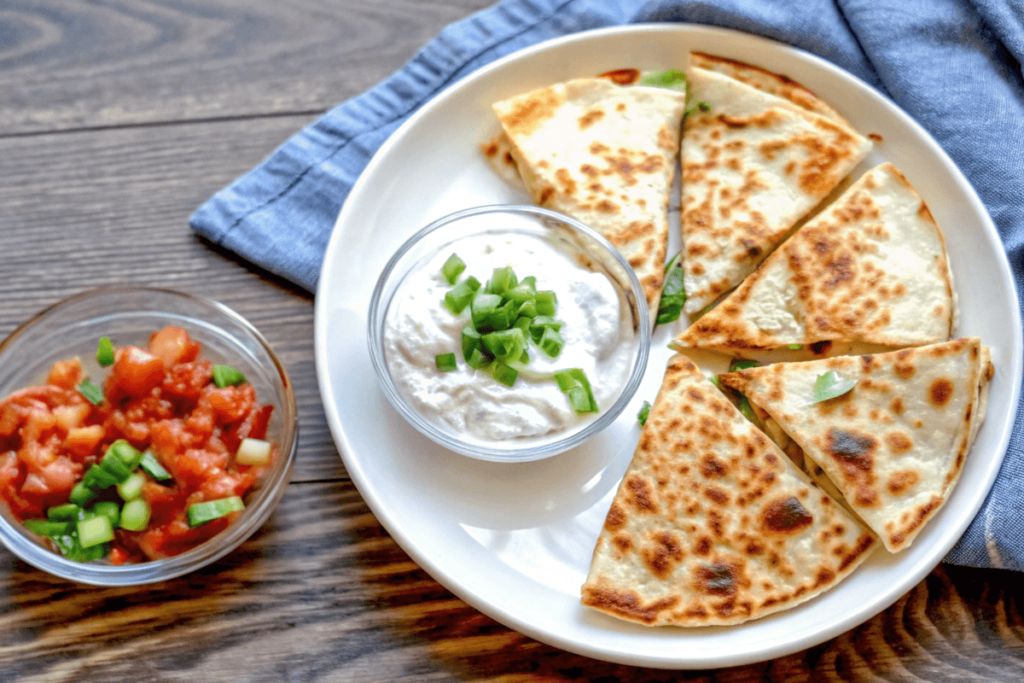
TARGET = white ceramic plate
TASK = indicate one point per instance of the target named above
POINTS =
(515, 540)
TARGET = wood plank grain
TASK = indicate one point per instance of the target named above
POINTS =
(323, 593)
(70, 65)
(96, 208)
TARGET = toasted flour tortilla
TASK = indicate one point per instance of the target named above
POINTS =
(894, 446)
(606, 155)
(712, 524)
(872, 267)
(754, 164)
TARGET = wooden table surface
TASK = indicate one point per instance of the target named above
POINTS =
(118, 118)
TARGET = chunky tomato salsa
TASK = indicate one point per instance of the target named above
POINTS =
(148, 464)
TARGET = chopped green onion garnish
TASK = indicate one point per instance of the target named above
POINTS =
(105, 352)
(42, 527)
(551, 342)
(565, 381)
(670, 78)
(452, 268)
(742, 364)
(445, 362)
(227, 376)
(546, 302)
(505, 374)
(579, 400)
(81, 494)
(507, 345)
(502, 280)
(581, 377)
(131, 487)
(530, 282)
(153, 468)
(97, 478)
(795, 347)
(125, 452)
(459, 296)
(94, 531)
(673, 293)
(108, 509)
(135, 515)
(63, 513)
(201, 513)
(645, 410)
(93, 394)
(483, 308)
(477, 359)
(831, 385)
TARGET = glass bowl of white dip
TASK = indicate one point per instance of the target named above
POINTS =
(602, 319)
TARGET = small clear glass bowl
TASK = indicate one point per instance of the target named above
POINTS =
(129, 315)
(573, 237)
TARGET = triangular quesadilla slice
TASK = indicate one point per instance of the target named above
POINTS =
(606, 155)
(872, 268)
(754, 165)
(712, 524)
(767, 81)
(894, 445)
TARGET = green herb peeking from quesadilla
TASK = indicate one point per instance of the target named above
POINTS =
(673, 294)
(670, 78)
(645, 410)
(831, 385)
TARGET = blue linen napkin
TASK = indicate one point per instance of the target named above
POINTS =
(954, 65)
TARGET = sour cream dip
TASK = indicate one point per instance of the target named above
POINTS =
(598, 331)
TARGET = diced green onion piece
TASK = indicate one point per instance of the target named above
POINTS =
(520, 294)
(565, 381)
(539, 324)
(546, 302)
(581, 377)
(108, 509)
(115, 467)
(452, 268)
(715, 381)
(69, 547)
(477, 359)
(42, 527)
(458, 297)
(227, 376)
(81, 494)
(257, 452)
(105, 352)
(578, 400)
(135, 515)
(63, 513)
(505, 374)
(527, 310)
(201, 513)
(530, 282)
(502, 280)
(470, 340)
(127, 453)
(97, 478)
(831, 385)
(131, 487)
(153, 468)
(482, 308)
(795, 347)
(445, 362)
(92, 393)
(645, 410)
(551, 342)
(742, 364)
(507, 345)
(95, 531)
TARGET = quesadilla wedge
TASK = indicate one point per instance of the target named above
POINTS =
(712, 524)
(754, 164)
(894, 445)
(606, 155)
(872, 268)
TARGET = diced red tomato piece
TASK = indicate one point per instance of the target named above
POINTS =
(135, 372)
(66, 374)
(173, 345)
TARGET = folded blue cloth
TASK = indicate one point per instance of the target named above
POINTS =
(954, 65)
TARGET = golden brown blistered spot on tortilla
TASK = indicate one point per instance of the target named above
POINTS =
(527, 113)
(616, 518)
(710, 466)
(640, 495)
(785, 516)
(854, 453)
(897, 406)
(899, 442)
(904, 370)
(716, 579)
(940, 392)
(546, 193)
(626, 604)
(490, 149)
(569, 186)
(849, 556)
(716, 495)
(703, 546)
(668, 140)
(662, 554)
(916, 520)
(590, 118)
(900, 482)
(622, 76)
(632, 232)
(622, 542)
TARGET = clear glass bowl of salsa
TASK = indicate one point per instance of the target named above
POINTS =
(129, 316)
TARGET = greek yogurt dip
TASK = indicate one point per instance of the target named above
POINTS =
(598, 332)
